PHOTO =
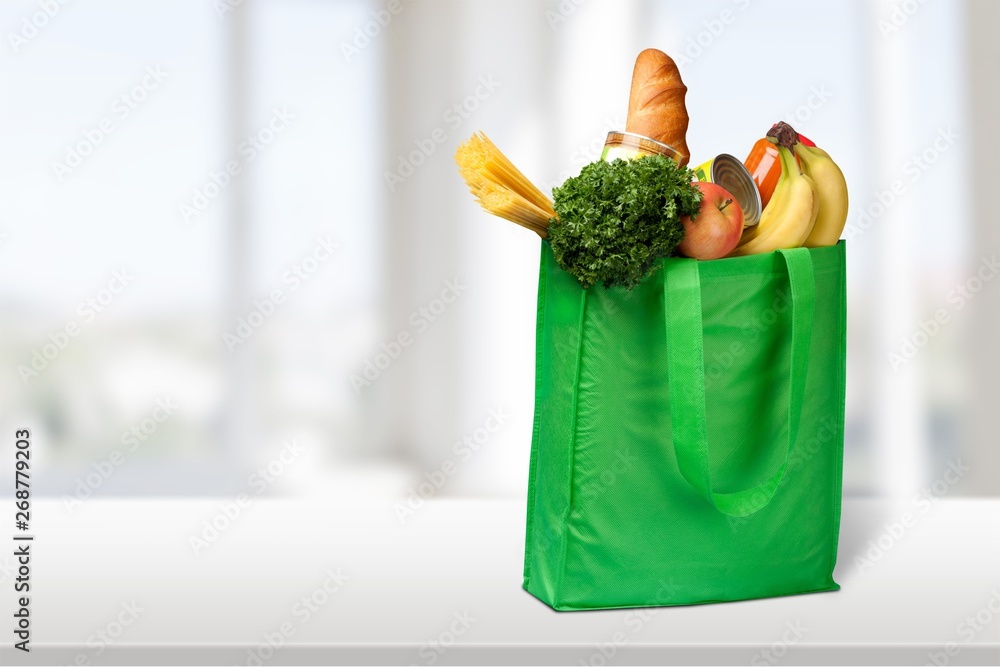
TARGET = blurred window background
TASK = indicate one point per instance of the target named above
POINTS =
(230, 226)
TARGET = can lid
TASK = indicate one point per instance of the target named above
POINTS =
(642, 143)
(731, 174)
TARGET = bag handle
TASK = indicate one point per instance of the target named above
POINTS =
(686, 376)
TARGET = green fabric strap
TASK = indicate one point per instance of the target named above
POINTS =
(686, 376)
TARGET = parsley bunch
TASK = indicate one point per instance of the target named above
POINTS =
(617, 218)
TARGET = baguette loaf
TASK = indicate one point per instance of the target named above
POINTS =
(656, 104)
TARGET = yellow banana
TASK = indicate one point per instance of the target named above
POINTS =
(789, 217)
(778, 202)
(831, 189)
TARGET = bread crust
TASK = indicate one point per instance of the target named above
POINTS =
(656, 106)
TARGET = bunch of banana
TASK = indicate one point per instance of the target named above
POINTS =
(831, 189)
(809, 204)
(789, 218)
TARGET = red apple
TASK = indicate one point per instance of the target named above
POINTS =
(716, 229)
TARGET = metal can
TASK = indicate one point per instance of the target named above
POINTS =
(629, 145)
(730, 173)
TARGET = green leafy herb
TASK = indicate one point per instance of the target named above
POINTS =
(617, 218)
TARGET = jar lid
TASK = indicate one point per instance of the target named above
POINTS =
(643, 144)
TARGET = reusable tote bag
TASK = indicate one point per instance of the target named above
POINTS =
(688, 433)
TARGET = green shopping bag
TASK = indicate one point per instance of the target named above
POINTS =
(688, 434)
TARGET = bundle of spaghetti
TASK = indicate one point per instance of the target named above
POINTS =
(511, 206)
(500, 187)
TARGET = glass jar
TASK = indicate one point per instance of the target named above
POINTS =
(629, 145)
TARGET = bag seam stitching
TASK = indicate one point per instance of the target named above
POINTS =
(529, 551)
(572, 449)
(842, 378)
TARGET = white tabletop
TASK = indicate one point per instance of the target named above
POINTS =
(452, 574)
